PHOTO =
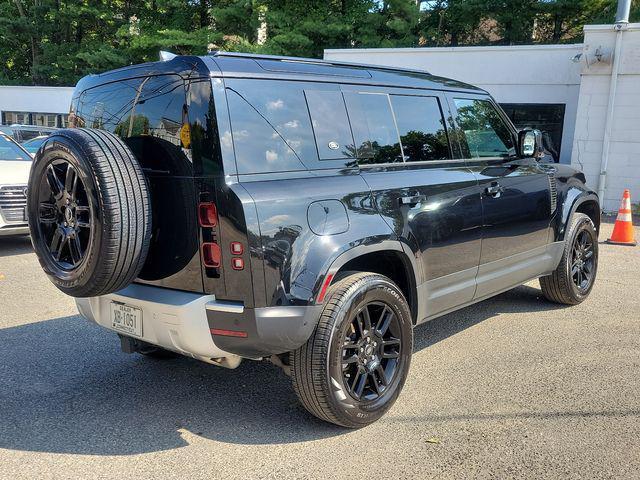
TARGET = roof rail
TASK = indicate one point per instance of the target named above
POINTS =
(317, 61)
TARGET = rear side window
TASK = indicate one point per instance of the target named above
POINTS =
(330, 124)
(260, 147)
(153, 106)
(421, 127)
(485, 132)
(374, 128)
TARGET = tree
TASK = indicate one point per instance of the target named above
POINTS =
(55, 42)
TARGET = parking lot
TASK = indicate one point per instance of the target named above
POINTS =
(512, 387)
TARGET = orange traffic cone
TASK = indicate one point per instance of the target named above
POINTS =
(623, 228)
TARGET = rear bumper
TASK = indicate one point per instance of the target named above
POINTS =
(268, 330)
(183, 322)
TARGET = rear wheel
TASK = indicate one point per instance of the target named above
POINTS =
(352, 369)
(573, 279)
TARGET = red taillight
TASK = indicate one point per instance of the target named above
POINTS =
(229, 333)
(325, 286)
(237, 263)
(236, 248)
(211, 255)
(208, 214)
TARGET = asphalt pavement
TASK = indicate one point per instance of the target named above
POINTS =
(513, 387)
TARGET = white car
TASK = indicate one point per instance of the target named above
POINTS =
(15, 164)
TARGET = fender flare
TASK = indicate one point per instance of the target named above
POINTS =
(333, 265)
(573, 199)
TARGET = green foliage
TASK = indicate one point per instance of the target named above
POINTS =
(55, 42)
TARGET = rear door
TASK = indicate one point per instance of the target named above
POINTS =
(515, 195)
(429, 199)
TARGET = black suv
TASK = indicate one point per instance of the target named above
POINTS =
(307, 212)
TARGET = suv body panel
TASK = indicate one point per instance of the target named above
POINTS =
(456, 245)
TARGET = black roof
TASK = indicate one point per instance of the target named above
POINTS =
(244, 65)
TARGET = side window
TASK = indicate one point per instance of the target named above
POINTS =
(421, 127)
(259, 147)
(374, 129)
(485, 133)
(330, 124)
(283, 106)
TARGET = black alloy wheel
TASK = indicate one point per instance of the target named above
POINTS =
(64, 215)
(354, 365)
(372, 347)
(582, 265)
(572, 280)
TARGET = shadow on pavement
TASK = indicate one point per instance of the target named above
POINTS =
(17, 245)
(66, 388)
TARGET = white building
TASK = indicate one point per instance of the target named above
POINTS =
(592, 113)
(44, 106)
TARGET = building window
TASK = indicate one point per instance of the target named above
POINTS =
(547, 118)
(41, 119)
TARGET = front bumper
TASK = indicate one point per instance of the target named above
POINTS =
(8, 230)
(183, 322)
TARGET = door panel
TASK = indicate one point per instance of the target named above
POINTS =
(515, 195)
(429, 200)
(435, 210)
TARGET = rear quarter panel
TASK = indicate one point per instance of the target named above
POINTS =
(295, 258)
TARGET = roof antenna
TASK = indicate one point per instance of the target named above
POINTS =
(166, 56)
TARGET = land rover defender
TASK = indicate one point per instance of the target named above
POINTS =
(307, 212)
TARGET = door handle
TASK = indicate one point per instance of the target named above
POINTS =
(413, 200)
(494, 190)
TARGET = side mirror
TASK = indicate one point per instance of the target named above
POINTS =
(530, 143)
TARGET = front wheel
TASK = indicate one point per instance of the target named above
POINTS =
(352, 369)
(573, 279)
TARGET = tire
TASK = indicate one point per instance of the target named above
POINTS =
(322, 385)
(89, 212)
(562, 285)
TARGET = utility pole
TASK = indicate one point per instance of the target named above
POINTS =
(622, 20)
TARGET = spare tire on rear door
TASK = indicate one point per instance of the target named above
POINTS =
(89, 212)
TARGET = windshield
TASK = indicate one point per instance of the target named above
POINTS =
(33, 145)
(9, 150)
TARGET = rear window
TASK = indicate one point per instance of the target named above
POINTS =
(29, 134)
(153, 106)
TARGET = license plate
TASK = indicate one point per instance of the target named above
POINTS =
(126, 319)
